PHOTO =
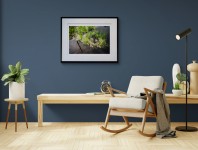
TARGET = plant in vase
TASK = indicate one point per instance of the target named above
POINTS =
(176, 90)
(182, 82)
(16, 79)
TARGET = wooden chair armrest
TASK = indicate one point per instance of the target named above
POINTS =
(153, 92)
(112, 89)
(149, 93)
(118, 91)
(148, 90)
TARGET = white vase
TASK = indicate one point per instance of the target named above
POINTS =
(16, 90)
(176, 69)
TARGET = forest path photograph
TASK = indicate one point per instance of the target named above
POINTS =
(89, 40)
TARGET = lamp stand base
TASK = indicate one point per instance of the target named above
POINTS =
(186, 129)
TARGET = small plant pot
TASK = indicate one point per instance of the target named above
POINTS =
(16, 90)
(182, 86)
(177, 92)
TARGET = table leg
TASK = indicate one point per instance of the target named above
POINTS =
(40, 113)
(25, 114)
(8, 114)
(16, 117)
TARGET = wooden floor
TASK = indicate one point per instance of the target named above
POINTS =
(89, 136)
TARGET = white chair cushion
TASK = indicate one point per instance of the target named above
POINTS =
(138, 83)
(128, 102)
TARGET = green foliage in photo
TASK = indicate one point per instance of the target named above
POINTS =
(88, 35)
(71, 32)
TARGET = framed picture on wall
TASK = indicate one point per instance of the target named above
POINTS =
(89, 39)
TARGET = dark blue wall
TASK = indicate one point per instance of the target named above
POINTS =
(30, 32)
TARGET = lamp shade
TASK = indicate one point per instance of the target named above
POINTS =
(183, 33)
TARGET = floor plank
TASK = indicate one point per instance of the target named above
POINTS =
(89, 136)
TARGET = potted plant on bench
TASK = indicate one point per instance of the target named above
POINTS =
(16, 80)
(176, 90)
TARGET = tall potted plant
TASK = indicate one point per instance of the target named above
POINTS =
(16, 80)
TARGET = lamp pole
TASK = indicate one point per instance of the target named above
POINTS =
(185, 128)
(186, 83)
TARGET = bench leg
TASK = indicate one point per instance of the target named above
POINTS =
(40, 113)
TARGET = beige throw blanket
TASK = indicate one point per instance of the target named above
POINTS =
(163, 126)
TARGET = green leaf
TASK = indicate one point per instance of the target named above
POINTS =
(7, 76)
(20, 79)
(6, 83)
(24, 71)
(181, 77)
(18, 66)
(12, 68)
(176, 87)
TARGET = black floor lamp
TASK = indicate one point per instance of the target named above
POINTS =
(179, 36)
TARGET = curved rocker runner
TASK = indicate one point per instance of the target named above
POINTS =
(119, 130)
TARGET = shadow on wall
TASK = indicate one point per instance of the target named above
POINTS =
(1, 85)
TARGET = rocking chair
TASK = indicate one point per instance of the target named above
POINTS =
(134, 104)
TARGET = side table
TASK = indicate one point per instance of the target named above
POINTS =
(16, 102)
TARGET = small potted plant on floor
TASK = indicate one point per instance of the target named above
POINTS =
(16, 80)
(176, 90)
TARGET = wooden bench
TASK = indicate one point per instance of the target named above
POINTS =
(96, 99)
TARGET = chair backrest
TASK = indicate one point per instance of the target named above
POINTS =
(138, 83)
